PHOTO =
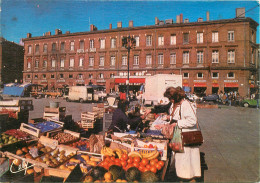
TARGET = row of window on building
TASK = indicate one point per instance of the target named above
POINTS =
(173, 41)
(214, 75)
(173, 58)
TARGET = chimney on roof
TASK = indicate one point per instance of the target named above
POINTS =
(240, 13)
(200, 19)
(119, 24)
(131, 23)
(58, 31)
(93, 27)
(67, 32)
(168, 21)
(110, 26)
(48, 33)
(207, 15)
(161, 22)
(29, 35)
(186, 20)
(156, 21)
(181, 18)
(178, 19)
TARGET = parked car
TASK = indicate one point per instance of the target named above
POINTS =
(212, 97)
(248, 103)
(193, 97)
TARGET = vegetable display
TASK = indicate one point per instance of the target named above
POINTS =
(64, 137)
(55, 158)
(33, 151)
(18, 134)
(7, 139)
(86, 163)
(143, 161)
(82, 145)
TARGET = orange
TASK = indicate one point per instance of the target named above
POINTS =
(145, 161)
(161, 163)
(137, 159)
(153, 169)
(158, 167)
(125, 157)
(108, 176)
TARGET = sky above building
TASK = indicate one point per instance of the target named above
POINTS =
(19, 17)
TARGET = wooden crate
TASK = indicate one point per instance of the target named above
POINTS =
(163, 151)
(87, 125)
(54, 110)
(75, 134)
(55, 113)
(35, 131)
(88, 116)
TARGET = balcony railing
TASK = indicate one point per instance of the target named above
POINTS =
(80, 50)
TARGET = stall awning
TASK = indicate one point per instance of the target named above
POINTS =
(131, 80)
(231, 85)
(216, 85)
(185, 84)
(200, 85)
(252, 86)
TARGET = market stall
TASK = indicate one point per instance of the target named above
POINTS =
(50, 153)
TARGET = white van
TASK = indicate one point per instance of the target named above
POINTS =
(156, 85)
(80, 93)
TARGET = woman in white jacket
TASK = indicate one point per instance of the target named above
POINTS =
(182, 112)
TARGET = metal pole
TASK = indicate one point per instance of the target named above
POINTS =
(127, 94)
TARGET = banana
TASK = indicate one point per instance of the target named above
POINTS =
(124, 151)
(107, 151)
(110, 151)
(154, 156)
(118, 154)
(102, 151)
(118, 150)
(149, 155)
(135, 154)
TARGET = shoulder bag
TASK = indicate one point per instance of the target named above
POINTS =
(192, 138)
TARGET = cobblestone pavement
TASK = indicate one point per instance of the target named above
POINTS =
(230, 152)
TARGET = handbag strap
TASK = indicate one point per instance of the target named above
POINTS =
(198, 127)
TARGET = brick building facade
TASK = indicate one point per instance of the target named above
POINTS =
(212, 56)
(11, 62)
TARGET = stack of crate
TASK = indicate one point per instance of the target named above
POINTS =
(17, 110)
(54, 113)
(99, 110)
(88, 119)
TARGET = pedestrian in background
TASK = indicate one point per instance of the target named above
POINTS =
(230, 98)
(220, 96)
(257, 99)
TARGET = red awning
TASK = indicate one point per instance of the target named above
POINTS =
(200, 84)
(215, 85)
(252, 86)
(131, 80)
(231, 85)
(185, 84)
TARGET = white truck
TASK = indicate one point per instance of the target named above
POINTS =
(156, 85)
(81, 94)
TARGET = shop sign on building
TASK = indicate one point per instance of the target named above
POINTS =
(80, 81)
(60, 80)
(231, 81)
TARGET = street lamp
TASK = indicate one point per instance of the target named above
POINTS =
(128, 42)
